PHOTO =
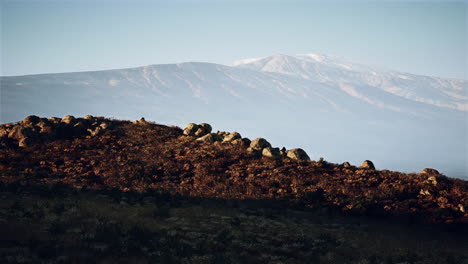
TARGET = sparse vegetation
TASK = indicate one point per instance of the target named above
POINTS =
(145, 193)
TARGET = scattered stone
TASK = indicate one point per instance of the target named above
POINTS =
(271, 153)
(432, 180)
(367, 164)
(55, 120)
(3, 132)
(232, 136)
(94, 132)
(212, 137)
(190, 129)
(346, 164)
(297, 154)
(68, 119)
(461, 208)
(203, 129)
(424, 192)
(32, 119)
(254, 152)
(283, 151)
(43, 123)
(104, 125)
(142, 121)
(259, 144)
(89, 117)
(241, 141)
(18, 132)
(25, 142)
(429, 171)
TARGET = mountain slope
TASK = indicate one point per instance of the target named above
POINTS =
(330, 107)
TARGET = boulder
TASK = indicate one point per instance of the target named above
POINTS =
(190, 129)
(346, 164)
(367, 164)
(212, 137)
(142, 120)
(203, 129)
(283, 151)
(48, 132)
(55, 120)
(259, 144)
(461, 208)
(222, 133)
(241, 141)
(253, 152)
(43, 123)
(271, 153)
(104, 125)
(18, 132)
(89, 117)
(424, 192)
(232, 136)
(25, 142)
(68, 119)
(3, 132)
(297, 154)
(432, 180)
(94, 132)
(429, 171)
(31, 120)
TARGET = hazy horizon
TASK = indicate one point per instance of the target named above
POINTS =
(425, 38)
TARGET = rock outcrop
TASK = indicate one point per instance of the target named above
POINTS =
(259, 144)
(231, 137)
(346, 164)
(212, 137)
(271, 153)
(432, 180)
(429, 171)
(297, 154)
(34, 129)
(367, 164)
(203, 129)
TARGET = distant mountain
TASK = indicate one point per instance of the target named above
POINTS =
(330, 106)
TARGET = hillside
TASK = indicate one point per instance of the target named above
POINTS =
(98, 153)
(101, 190)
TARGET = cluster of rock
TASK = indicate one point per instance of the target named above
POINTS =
(36, 129)
(367, 164)
(258, 146)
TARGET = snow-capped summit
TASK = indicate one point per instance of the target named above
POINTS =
(352, 76)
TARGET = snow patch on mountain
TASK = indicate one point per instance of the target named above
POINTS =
(333, 71)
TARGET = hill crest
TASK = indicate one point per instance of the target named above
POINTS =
(142, 155)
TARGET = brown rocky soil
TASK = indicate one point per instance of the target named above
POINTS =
(98, 153)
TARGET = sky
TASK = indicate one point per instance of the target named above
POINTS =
(421, 37)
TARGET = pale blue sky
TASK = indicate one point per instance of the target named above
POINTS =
(423, 37)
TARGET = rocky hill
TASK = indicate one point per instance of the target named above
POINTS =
(98, 190)
(99, 153)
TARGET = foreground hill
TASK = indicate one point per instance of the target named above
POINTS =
(108, 191)
(98, 153)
